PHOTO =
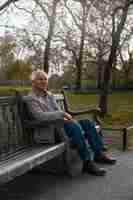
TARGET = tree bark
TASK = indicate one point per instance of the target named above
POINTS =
(112, 57)
(79, 62)
(49, 37)
(99, 71)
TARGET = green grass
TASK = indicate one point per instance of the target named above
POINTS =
(9, 90)
(120, 105)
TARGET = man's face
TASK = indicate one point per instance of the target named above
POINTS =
(40, 82)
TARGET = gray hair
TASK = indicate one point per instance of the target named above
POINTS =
(37, 73)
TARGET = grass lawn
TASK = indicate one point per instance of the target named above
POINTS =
(120, 105)
(10, 90)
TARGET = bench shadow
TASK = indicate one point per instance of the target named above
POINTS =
(30, 185)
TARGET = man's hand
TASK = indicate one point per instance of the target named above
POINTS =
(67, 117)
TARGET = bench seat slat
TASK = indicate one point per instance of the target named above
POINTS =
(29, 159)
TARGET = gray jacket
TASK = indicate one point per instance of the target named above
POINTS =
(46, 109)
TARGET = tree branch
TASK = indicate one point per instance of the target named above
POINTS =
(43, 9)
(73, 16)
(7, 3)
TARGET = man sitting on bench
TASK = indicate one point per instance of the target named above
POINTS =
(43, 106)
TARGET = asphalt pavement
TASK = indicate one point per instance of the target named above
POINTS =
(116, 185)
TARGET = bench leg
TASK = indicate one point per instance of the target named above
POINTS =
(68, 163)
(72, 162)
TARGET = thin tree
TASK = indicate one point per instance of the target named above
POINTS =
(85, 6)
(116, 35)
(51, 21)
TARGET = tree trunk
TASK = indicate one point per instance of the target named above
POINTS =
(79, 74)
(105, 84)
(79, 62)
(49, 37)
(99, 71)
(112, 58)
(113, 78)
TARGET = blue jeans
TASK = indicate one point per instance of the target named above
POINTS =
(76, 134)
(94, 138)
(81, 130)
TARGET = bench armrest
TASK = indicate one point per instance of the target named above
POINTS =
(96, 112)
(37, 124)
(84, 111)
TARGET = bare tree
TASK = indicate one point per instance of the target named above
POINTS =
(117, 28)
(51, 15)
(41, 27)
(127, 65)
(6, 4)
(7, 51)
(80, 22)
(99, 39)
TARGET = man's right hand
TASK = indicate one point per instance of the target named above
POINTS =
(68, 117)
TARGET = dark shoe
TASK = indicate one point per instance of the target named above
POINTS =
(104, 159)
(104, 149)
(91, 168)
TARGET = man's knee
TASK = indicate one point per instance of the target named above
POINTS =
(73, 128)
(87, 124)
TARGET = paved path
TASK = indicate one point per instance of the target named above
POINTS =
(116, 185)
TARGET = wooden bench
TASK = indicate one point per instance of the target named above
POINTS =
(18, 152)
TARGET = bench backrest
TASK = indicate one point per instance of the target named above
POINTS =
(11, 132)
(13, 135)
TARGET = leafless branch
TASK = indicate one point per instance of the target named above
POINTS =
(7, 3)
(43, 9)
(73, 16)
